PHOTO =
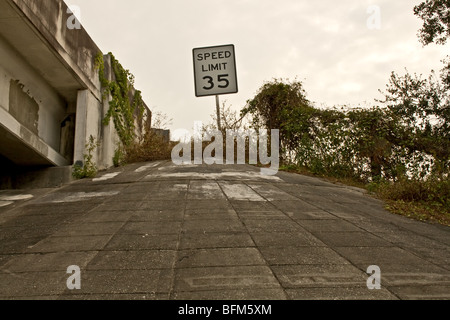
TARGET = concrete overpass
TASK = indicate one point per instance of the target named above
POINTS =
(50, 93)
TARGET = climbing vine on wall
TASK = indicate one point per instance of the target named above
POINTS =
(126, 103)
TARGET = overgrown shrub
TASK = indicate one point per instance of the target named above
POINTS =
(119, 157)
(432, 190)
(152, 147)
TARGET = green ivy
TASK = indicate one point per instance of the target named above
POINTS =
(123, 105)
(362, 144)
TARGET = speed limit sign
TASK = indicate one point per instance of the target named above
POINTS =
(215, 71)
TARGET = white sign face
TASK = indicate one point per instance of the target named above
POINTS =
(215, 71)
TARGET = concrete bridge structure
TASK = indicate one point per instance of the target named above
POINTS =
(50, 93)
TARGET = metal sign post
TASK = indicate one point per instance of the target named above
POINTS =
(219, 125)
(215, 73)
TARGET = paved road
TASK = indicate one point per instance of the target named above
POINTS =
(156, 231)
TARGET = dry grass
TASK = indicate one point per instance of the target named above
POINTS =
(422, 211)
(427, 201)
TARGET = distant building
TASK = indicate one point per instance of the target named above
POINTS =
(163, 133)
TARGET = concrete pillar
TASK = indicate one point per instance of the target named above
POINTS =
(88, 122)
(109, 141)
(80, 128)
(109, 136)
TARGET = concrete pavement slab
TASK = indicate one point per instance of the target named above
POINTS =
(336, 225)
(409, 239)
(143, 282)
(34, 221)
(399, 275)
(85, 186)
(55, 244)
(320, 276)
(209, 240)
(54, 261)
(285, 239)
(19, 245)
(262, 215)
(159, 205)
(143, 188)
(137, 197)
(239, 295)
(96, 216)
(69, 208)
(156, 216)
(153, 228)
(422, 292)
(432, 231)
(219, 257)
(205, 190)
(294, 206)
(380, 256)
(17, 232)
(340, 293)
(210, 214)
(218, 225)
(437, 256)
(138, 242)
(31, 285)
(168, 190)
(270, 192)
(315, 214)
(224, 278)
(301, 255)
(11, 199)
(216, 205)
(297, 181)
(376, 225)
(239, 191)
(255, 206)
(351, 239)
(113, 297)
(133, 260)
(272, 226)
(81, 228)
(121, 205)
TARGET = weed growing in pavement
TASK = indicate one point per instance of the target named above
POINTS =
(88, 169)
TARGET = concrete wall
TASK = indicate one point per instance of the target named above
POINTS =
(29, 99)
(74, 47)
(50, 95)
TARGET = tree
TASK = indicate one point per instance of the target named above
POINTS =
(436, 29)
(436, 21)
(423, 104)
(230, 120)
(445, 73)
(281, 104)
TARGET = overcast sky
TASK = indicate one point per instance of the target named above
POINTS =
(325, 44)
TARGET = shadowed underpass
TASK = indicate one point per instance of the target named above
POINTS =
(158, 231)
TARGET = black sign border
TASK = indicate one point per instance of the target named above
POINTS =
(235, 70)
